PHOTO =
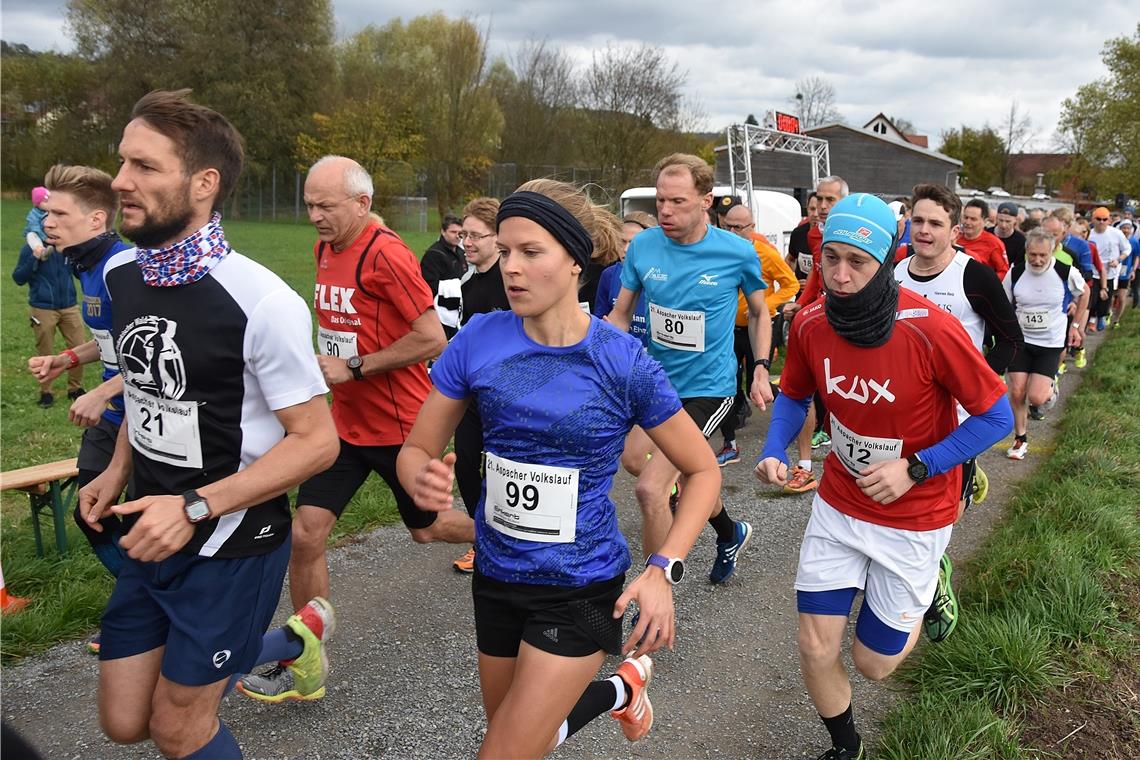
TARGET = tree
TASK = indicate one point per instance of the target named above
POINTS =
(536, 93)
(631, 96)
(1017, 132)
(1102, 121)
(814, 101)
(981, 151)
(906, 126)
(752, 120)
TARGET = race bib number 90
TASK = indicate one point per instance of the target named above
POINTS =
(162, 429)
(682, 330)
(336, 343)
(858, 451)
(531, 501)
(1034, 321)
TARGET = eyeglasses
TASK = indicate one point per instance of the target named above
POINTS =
(738, 227)
(473, 236)
(1100, 218)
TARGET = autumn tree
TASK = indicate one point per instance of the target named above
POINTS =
(981, 152)
(536, 93)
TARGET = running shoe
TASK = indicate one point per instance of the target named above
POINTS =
(1115, 324)
(1018, 450)
(674, 497)
(840, 753)
(728, 455)
(1100, 324)
(636, 718)
(304, 677)
(728, 552)
(802, 480)
(94, 645)
(1052, 402)
(1035, 413)
(466, 563)
(820, 439)
(1061, 369)
(981, 484)
(1080, 361)
(942, 617)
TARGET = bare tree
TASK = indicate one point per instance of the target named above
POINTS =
(536, 94)
(814, 102)
(1017, 132)
(631, 96)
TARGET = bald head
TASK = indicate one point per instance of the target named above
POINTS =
(338, 197)
(739, 221)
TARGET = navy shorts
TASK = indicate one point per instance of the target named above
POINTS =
(209, 613)
(335, 487)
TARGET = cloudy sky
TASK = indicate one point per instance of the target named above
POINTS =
(939, 65)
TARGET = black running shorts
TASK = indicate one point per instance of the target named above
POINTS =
(1036, 360)
(708, 412)
(561, 620)
(335, 487)
(968, 468)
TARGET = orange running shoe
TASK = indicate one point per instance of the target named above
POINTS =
(466, 563)
(801, 481)
(636, 718)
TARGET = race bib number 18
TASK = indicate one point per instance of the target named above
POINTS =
(531, 501)
(682, 330)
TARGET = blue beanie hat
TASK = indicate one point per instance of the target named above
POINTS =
(864, 221)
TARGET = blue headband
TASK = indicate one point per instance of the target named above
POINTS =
(553, 218)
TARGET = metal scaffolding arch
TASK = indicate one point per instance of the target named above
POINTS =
(746, 139)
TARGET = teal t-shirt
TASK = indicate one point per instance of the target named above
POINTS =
(691, 292)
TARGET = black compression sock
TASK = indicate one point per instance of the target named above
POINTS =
(599, 697)
(842, 730)
(723, 525)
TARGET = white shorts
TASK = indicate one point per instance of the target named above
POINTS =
(897, 569)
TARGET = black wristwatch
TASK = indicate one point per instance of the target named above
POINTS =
(765, 363)
(354, 364)
(916, 470)
(674, 568)
(196, 508)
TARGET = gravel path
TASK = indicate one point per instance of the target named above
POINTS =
(404, 682)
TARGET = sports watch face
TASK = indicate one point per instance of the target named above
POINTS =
(675, 571)
(355, 362)
(197, 511)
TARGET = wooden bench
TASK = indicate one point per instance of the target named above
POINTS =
(49, 487)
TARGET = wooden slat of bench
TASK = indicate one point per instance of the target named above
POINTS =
(29, 478)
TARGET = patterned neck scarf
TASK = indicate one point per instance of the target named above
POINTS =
(188, 260)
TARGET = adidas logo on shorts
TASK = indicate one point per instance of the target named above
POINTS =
(552, 634)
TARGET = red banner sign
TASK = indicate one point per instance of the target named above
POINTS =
(785, 122)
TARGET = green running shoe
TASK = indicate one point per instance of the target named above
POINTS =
(1080, 361)
(274, 686)
(942, 617)
(981, 484)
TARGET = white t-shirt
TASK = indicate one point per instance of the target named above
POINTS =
(1113, 248)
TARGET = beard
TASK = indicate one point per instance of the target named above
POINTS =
(167, 224)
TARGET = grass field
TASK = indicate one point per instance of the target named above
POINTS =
(1043, 662)
(68, 593)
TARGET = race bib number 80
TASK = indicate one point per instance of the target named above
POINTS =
(531, 501)
(682, 330)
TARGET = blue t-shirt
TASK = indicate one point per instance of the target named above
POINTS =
(565, 406)
(701, 281)
(609, 286)
(1131, 260)
(1084, 254)
(97, 317)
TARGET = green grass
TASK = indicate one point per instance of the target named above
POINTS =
(68, 593)
(1043, 602)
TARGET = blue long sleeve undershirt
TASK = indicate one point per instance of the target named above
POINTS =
(977, 434)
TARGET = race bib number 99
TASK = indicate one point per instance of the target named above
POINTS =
(1034, 321)
(858, 451)
(531, 501)
(336, 343)
(682, 330)
(162, 429)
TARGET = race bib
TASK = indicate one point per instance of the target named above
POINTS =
(162, 429)
(804, 261)
(858, 451)
(531, 501)
(337, 343)
(1034, 321)
(682, 330)
(106, 346)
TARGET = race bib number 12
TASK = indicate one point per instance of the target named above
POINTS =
(858, 451)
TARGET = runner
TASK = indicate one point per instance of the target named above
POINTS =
(690, 273)
(225, 412)
(376, 326)
(1045, 293)
(1114, 249)
(551, 560)
(1006, 231)
(972, 293)
(81, 208)
(981, 244)
(890, 367)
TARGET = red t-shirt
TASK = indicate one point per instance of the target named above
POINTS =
(813, 287)
(989, 250)
(366, 298)
(889, 402)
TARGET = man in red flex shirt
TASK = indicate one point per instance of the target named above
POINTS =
(376, 327)
(985, 247)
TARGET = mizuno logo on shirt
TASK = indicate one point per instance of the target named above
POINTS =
(707, 279)
(334, 298)
(858, 389)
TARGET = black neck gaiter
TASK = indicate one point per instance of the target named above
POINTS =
(866, 318)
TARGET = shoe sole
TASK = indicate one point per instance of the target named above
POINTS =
(954, 600)
(646, 663)
(736, 557)
(730, 461)
(286, 696)
(809, 487)
(463, 570)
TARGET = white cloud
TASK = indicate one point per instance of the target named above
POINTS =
(940, 65)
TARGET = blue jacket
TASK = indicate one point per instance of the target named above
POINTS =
(50, 283)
